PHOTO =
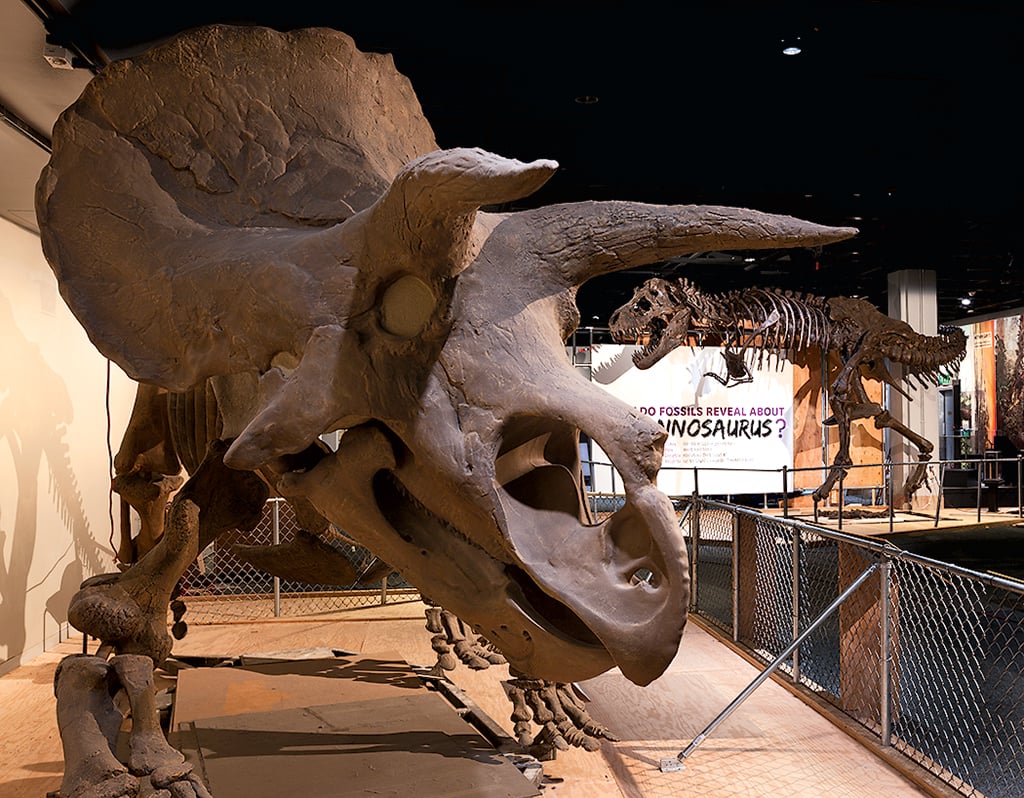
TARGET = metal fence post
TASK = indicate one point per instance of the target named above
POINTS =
(736, 577)
(892, 499)
(885, 674)
(842, 500)
(694, 541)
(785, 492)
(1020, 472)
(276, 527)
(796, 603)
(383, 591)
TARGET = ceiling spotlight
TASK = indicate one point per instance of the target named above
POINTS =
(587, 99)
(791, 50)
(965, 301)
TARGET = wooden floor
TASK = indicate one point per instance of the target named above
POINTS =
(773, 745)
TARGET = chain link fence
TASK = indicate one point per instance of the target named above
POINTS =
(220, 587)
(928, 657)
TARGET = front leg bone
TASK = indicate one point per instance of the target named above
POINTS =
(150, 753)
(149, 748)
(454, 643)
(129, 615)
(553, 706)
(88, 723)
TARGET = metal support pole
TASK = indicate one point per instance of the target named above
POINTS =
(1020, 472)
(796, 603)
(842, 500)
(938, 499)
(785, 492)
(675, 763)
(736, 577)
(276, 541)
(981, 469)
(885, 676)
(694, 542)
(383, 591)
(892, 499)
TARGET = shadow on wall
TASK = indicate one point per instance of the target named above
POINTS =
(35, 408)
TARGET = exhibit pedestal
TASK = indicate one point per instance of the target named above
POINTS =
(341, 725)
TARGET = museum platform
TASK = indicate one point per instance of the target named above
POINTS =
(774, 745)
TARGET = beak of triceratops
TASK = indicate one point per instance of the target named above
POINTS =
(513, 552)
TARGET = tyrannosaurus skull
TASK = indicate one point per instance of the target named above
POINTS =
(270, 211)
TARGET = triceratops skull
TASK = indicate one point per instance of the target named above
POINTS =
(270, 211)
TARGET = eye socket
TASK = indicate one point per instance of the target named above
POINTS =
(642, 306)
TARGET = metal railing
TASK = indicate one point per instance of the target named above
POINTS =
(985, 486)
(927, 656)
(220, 587)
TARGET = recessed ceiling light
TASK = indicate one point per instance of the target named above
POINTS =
(587, 99)
(965, 301)
(791, 50)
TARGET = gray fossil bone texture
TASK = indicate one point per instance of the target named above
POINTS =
(88, 722)
(758, 322)
(270, 212)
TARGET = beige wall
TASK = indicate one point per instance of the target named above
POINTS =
(54, 467)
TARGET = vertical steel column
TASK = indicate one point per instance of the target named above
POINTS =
(842, 500)
(885, 674)
(981, 468)
(796, 603)
(736, 577)
(276, 541)
(1020, 471)
(892, 499)
(785, 491)
(694, 541)
(383, 591)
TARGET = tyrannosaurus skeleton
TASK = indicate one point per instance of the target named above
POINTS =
(761, 322)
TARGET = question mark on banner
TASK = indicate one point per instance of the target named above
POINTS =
(782, 426)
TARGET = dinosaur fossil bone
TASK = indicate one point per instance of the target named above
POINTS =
(768, 321)
(270, 211)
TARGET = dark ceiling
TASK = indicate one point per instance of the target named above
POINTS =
(900, 118)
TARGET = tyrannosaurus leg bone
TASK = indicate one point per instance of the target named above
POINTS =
(88, 723)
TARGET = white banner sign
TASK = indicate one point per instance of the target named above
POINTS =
(746, 428)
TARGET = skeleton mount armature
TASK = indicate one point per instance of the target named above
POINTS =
(761, 322)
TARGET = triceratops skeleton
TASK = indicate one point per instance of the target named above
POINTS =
(763, 321)
(269, 214)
